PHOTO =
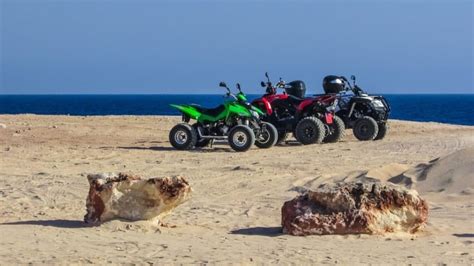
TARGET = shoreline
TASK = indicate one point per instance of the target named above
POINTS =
(177, 116)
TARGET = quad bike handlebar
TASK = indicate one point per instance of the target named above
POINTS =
(353, 87)
(229, 94)
(270, 89)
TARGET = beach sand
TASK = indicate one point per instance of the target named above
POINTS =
(234, 214)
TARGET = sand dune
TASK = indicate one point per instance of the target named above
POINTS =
(452, 173)
(235, 212)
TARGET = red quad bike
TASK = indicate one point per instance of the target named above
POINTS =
(310, 119)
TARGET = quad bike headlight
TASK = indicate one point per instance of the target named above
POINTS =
(378, 103)
(254, 114)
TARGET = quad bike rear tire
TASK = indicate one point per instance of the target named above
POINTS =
(310, 130)
(365, 128)
(383, 129)
(337, 130)
(183, 137)
(241, 138)
(267, 137)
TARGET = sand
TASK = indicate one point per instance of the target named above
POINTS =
(234, 214)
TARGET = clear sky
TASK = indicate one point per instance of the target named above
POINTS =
(101, 46)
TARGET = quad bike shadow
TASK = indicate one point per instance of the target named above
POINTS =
(206, 149)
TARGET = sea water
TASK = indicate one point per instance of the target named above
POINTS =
(444, 108)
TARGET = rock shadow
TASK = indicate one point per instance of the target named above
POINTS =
(59, 223)
(259, 231)
(464, 235)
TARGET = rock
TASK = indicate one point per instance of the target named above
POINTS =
(3, 126)
(129, 197)
(354, 208)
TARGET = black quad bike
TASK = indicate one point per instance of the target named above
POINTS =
(367, 115)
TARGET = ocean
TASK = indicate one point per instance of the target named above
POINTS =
(444, 108)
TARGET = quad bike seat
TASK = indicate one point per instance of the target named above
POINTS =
(209, 111)
(294, 99)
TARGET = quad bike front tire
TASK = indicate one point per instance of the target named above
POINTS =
(183, 137)
(267, 137)
(383, 129)
(337, 130)
(310, 130)
(200, 141)
(365, 128)
(241, 138)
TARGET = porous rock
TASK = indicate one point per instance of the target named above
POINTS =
(130, 197)
(355, 208)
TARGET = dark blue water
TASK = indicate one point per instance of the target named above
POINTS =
(453, 109)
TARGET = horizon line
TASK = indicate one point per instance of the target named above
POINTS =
(118, 94)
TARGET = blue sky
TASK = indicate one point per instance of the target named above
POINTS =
(89, 46)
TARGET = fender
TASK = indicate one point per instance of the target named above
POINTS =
(267, 101)
(360, 100)
(188, 110)
(264, 104)
(326, 99)
(240, 110)
(256, 109)
(305, 104)
(273, 97)
(312, 106)
(268, 106)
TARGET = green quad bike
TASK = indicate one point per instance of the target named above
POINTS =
(236, 121)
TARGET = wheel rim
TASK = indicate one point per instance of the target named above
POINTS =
(264, 136)
(309, 132)
(329, 129)
(239, 139)
(364, 129)
(180, 137)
